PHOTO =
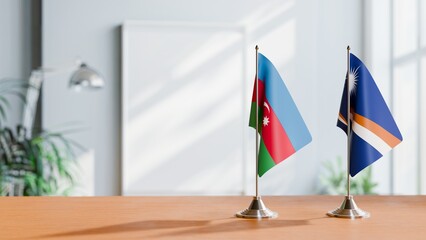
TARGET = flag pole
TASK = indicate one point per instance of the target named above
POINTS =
(348, 208)
(348, 120)
(257, 208)
(257, 122)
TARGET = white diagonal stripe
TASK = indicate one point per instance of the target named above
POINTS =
(342, 120)
(371, 138)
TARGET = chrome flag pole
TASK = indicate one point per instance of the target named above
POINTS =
(257, 121)
(348, 209)
(257, 208)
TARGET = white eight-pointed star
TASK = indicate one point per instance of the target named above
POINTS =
(265, 121)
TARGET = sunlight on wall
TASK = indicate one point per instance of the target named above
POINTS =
(205, 52)
(405, 112)
(395, 47)
(266, 14)
(405, 22)
(177, 73)
(187, 99)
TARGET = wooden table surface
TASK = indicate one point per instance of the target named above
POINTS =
(300, 217)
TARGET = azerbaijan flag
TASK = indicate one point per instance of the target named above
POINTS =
(281, 126)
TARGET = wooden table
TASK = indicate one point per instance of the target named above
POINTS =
(392, 217)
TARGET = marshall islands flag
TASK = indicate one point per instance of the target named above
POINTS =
(373, 129)
(281, 126)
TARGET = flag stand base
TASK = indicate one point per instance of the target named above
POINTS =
(348, 209)
(257, 209)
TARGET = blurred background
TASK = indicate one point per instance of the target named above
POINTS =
(172, 115)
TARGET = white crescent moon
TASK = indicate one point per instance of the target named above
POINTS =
(267, 107)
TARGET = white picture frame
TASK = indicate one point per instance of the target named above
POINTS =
(184, 108)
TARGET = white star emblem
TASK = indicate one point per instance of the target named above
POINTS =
(265, 121)
(353, 79)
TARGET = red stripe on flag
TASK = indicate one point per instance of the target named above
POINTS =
(261, 92)
(275, 137)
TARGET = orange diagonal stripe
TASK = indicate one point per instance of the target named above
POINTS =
(343, 119)
(390, 139)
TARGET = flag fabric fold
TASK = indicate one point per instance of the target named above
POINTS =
(281, 127)
(373, 129)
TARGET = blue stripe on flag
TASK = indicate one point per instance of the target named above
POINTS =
(283, 105)
(362, 154)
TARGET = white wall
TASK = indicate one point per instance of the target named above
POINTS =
(15, 48)
(306, 40)
(395, 43)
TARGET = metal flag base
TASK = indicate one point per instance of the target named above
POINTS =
(257, 209)
(348, 209)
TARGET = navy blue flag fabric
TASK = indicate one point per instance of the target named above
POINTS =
(373, 129)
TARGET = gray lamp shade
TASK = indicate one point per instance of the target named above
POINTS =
(86, 77)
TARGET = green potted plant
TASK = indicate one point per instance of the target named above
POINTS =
(333, 180)
(32, 166)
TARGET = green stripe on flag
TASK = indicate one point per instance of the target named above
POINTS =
(265, 160)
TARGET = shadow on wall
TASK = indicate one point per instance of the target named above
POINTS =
(188, 103)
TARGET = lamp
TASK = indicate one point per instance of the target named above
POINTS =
(82, 77)
(86, 77)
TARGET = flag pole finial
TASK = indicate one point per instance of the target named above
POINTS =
(348, 48)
